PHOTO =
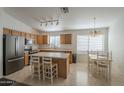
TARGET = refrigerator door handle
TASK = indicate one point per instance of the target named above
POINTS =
(15, 59)
(17, 46)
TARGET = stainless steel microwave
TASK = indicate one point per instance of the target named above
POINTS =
(29, 41)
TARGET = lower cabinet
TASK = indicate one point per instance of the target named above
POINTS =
(26, 61)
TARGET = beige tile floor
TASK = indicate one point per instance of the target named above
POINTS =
(78, 76)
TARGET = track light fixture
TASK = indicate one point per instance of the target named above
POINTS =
(50, 22)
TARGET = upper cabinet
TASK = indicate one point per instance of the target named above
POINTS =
(39, 39)
(15, 33)
(62, 38)
(12, 32)
(42, 39)
(22, 34)
(66, 38)
(45, 39)
(27, 35)
(6, 31)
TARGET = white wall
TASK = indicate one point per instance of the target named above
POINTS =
(9, 22)
(116, 44)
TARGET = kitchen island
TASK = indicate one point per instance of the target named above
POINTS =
(61, 59)
(58, 50)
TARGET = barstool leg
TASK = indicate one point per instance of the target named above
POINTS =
(39, 71)
(57, 71)
(32, 70)
(43, 72)
(51, 75)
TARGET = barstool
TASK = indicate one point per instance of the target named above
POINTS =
(36, 67)
(50, 69)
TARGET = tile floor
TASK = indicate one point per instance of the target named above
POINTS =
(78, 76)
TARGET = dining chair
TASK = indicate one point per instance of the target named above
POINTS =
(103, 65)
(50, 69)
(91, 56)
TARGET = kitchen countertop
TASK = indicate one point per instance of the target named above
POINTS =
(52, 54)
(54, 49)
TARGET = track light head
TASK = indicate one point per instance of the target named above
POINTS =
(57, 22)
(51, 23)
(46, 24)
(41, 24)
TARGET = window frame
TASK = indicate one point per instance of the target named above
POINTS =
(55, 43)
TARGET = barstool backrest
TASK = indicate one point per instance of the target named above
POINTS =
(47, 60)
(35, 59)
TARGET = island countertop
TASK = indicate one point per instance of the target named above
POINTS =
(52, 54)
(54, 49)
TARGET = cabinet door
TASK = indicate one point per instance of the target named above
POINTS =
(6, 31)
(32, 36)
(22, 34)
(68, 38)
(26, 59)
(15, 33)
(28, 35)
(39, 39)
(45, 39)
(62, 38)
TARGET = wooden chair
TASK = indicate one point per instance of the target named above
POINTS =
(50, 69)
(36, 67)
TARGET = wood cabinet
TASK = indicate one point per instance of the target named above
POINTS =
(39, 39)
(18, 33)
(45, 39)
(7, 31)
(15, 33)
(26, 60)
(62, 38)
(27, 35)
(22, 34)
(63, 67)
(66, 38)
(42, 39)
(32, 36)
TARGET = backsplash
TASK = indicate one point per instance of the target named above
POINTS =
(33, 47)
(66, 46)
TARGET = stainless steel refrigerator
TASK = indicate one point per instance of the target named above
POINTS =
(13, 54)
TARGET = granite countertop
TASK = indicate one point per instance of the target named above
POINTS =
(52, 54)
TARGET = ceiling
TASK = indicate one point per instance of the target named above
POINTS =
(77, 18)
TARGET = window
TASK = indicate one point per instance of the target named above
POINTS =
(82, 43)
(55, 41)
(85, 43)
